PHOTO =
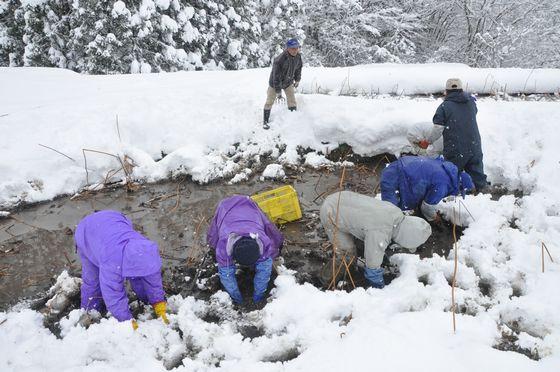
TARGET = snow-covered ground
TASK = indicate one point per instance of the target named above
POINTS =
(196, 118)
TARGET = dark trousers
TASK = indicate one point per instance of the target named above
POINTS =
(472, 164)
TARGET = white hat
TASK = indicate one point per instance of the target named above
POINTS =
(453, 83)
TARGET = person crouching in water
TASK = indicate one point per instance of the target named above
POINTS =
(240, 233)
(376, 222)
(111, 251)
(419, 181)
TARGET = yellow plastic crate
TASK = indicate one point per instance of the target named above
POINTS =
(281, 205)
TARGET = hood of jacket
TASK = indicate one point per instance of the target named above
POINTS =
(140, 258)
(458, 97)
(412, 232)
(453, 174)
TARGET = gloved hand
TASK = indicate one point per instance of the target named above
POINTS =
(423, 144)
(263, 270)
(160, 308)
(227, 277)
(134, 324)
(296, 84)
(375, 277)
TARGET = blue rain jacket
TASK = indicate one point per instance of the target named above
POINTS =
(410, 180)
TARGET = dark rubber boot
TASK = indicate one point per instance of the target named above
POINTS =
(266, 118)
(292, 108)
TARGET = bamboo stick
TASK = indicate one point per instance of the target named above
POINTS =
(547, 251)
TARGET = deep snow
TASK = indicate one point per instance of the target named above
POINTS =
(196, 118)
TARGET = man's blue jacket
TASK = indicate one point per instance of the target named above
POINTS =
(410, 180)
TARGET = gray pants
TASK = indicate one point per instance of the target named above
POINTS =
(271, 97)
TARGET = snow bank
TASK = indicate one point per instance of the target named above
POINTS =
(410, 79)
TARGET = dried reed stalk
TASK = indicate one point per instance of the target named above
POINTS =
(118, 129)
(547, 251)
(196, 234)
(543, 248)
(58, 152)
(335, 233)
(347, 265)
(177, 201)
(127, 165)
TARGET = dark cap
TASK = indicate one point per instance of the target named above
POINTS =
(246, 251)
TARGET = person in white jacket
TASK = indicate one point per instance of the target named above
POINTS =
(374, 221)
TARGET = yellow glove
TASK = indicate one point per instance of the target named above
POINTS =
(134, 325)
(160, 308)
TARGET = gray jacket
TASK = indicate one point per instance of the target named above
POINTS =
(375, 222)
(285, 70)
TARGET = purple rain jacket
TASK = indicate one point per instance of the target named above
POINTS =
(111, 251)
(239, 214)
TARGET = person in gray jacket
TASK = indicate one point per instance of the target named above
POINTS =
(377, 223)
(285, 74)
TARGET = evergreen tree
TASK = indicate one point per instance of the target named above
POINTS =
(45, 33)
(281, 20)
(123, 36)
(12, 26)
(100, 39)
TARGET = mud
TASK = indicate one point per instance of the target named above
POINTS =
(36, 243)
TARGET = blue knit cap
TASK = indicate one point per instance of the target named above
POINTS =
(292, 43)
(465, 183)
(246, 251)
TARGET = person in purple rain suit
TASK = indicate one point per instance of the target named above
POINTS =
(112, 251)
(241, 233)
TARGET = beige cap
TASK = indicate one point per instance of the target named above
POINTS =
(453, 83)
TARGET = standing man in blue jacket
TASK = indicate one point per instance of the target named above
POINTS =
(419, 181)
(456, 119)
(285, 74)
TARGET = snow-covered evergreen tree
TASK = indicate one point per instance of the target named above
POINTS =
(123, 36)
(100, 39)
(281, 20)
(45, 34)
(12, 26)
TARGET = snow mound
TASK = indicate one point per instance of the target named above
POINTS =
(315, 160)
(274, 171)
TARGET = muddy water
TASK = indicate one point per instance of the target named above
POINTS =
(37, 243)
